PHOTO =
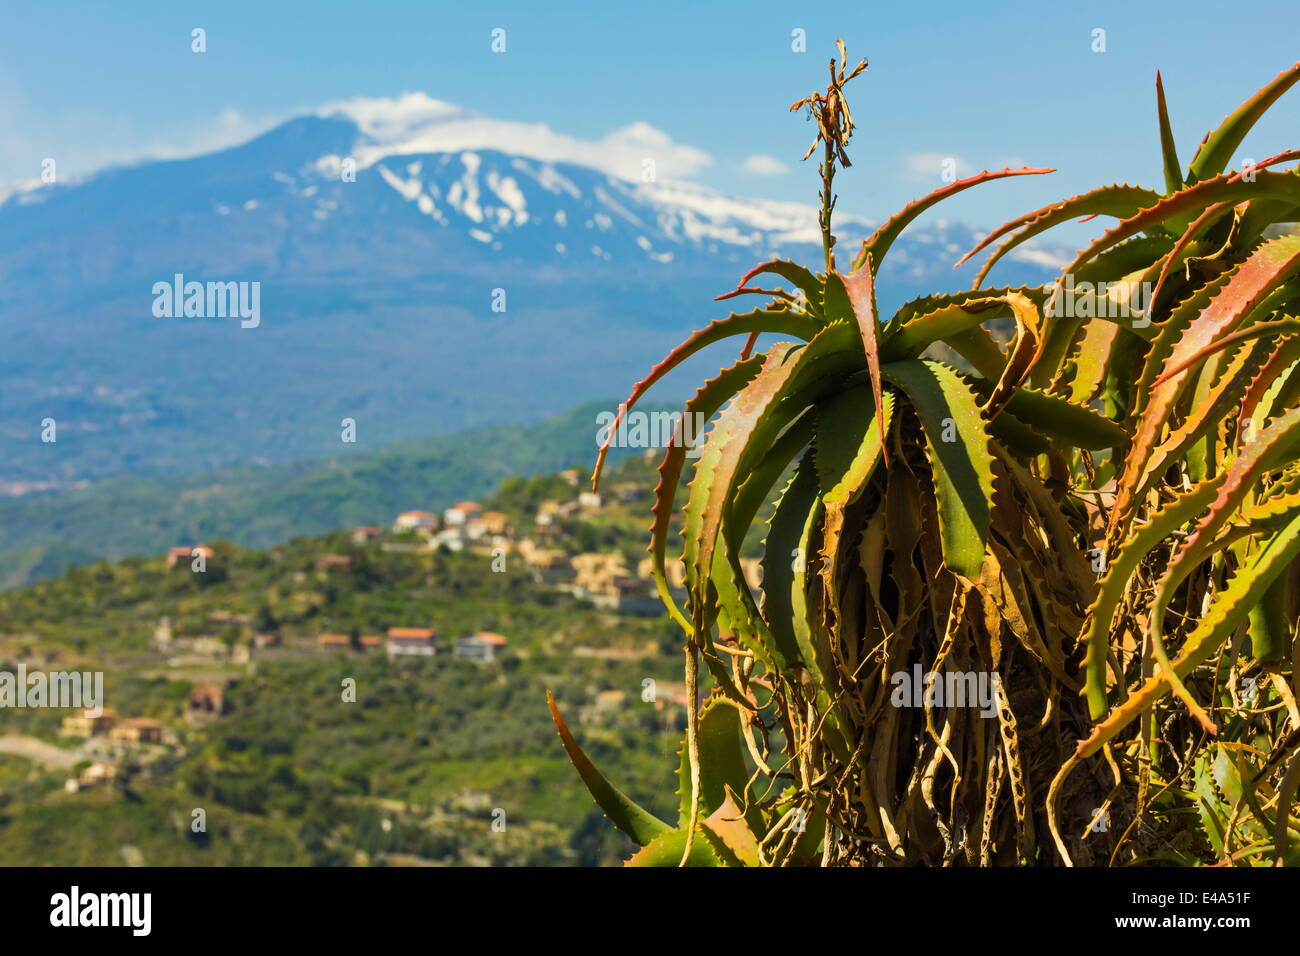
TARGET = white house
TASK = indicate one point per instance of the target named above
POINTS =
(462, 513)
(416, 521)
(411, 642)
(482, 646)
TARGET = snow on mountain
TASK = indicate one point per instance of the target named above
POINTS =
(446, 179)
(380, 232)
(415, 123)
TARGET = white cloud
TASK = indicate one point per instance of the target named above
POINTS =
(933, 167)
(417, 123)
(84, 142)
(761, 165)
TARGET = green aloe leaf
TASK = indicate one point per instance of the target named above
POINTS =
(1268, 267)
(877, 246)
(1119, 569)
(641, 826)
(666, 850)
(780, 552)
(854, 297)
(1215, 153)
(1168, 151)
(961, 463)
(785, 561)
(745, 429)
(1190, 202)
(735, 600)
(722, 762)
(775, 321)
(1119, 200)
(848, 449)
(705, 404)
(1230, 608)
(793, 273)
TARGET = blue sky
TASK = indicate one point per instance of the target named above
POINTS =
(990, 84)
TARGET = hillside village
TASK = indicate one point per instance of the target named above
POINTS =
(546, 546)
(542, 585)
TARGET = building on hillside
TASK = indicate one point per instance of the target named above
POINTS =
(496, 523)
(462, 513)
(416, 521)
(607, 700)
(229, 617)
(412, 642)
(635, 596)
(185, 556)
(205, 703)
(138, 730)
(266, 640)
(593, 571)
(98, 773)
(162, 634)
(452, 538)
(85, 723)
(547, 525)
(589, 501)
(629, 491)
(334, 562)
(483, 646)
(206, 646)
(371, 642)
(547, 565)
(334, 642)
(668, 693)
(603, 580)
(364, 534)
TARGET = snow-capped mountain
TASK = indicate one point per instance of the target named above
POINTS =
(420, 269)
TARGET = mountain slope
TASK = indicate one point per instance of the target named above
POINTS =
(439, 288)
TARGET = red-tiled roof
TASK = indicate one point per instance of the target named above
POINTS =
(411, 633)
(185, 551)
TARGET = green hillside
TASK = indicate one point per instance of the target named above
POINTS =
(254, 506)
(416, 769)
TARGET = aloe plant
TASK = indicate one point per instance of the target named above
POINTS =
(1095, 507)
